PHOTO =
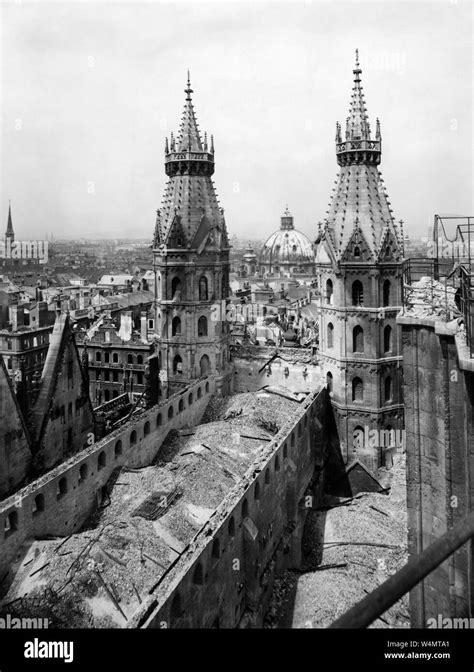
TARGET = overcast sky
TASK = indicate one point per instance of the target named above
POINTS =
(89, 90)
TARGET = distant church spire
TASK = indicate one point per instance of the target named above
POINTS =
(9, 233)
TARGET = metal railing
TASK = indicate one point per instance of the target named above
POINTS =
(382, 598)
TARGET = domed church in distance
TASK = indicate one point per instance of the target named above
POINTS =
(287, 251)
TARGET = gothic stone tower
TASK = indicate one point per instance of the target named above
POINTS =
(191, 261)
(359, 274)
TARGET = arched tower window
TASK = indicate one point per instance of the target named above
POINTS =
(387, 338)
(386, 293)
(203, 294)
(356, 252)
(177, 364)
(330, 335)
(175, 287)
(358, 339)
(205, 365)
(388, 388)
(176, 327)
(329, 381)
(202, 326)
(329, 292)
(357, 390)
(357, 293)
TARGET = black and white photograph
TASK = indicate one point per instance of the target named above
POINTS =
(236, 332)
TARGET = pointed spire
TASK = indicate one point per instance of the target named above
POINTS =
(358, 120)
(212, 144)
(10, 234)
(189, 139)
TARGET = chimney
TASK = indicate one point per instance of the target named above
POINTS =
(125, 331)
(17, 317)
(144, 326)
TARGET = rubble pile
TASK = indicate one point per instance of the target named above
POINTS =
(430, 298)
(147, 517)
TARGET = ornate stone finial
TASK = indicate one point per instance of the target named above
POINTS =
(357, 59)
(188, 90)
(205, 141)
(167, 151)
(212, 144)
(377, 129)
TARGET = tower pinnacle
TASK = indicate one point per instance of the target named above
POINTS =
(9, 235)
(188, 90)
(358, 146)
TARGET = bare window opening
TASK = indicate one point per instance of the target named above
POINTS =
(357, 390)
(358, 339)
(139, 359)
(133, 437)
(129, 359)
(199, 393)
(329, 292)
(159, 420)
(202, 326)
(357, 293)
(177, 365)
(170, 412)
(216, 549)
(387, 339)
(181, 406)
(231, 527)
(356, 251)
(38, 504)
(118, 448)
(329, 381)
(256, 492)
(146, 428)
(330, 335)
(205, 365)
(101, 461)
(176, 327)
(245, 509)
(190, 399)
(267, 477)
(11, 523)
(198, 576)
(207, 388)
(82, 472)
(285, 451)
(62, 488)
(277, 463)
(388, 388)
(386, 293)
(203, 293)
(176, 288)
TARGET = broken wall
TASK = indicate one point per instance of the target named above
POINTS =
(225, 577)
(59, 502)
(293, 369)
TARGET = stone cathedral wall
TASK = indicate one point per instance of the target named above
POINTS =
(59, 502)
(439, 400)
